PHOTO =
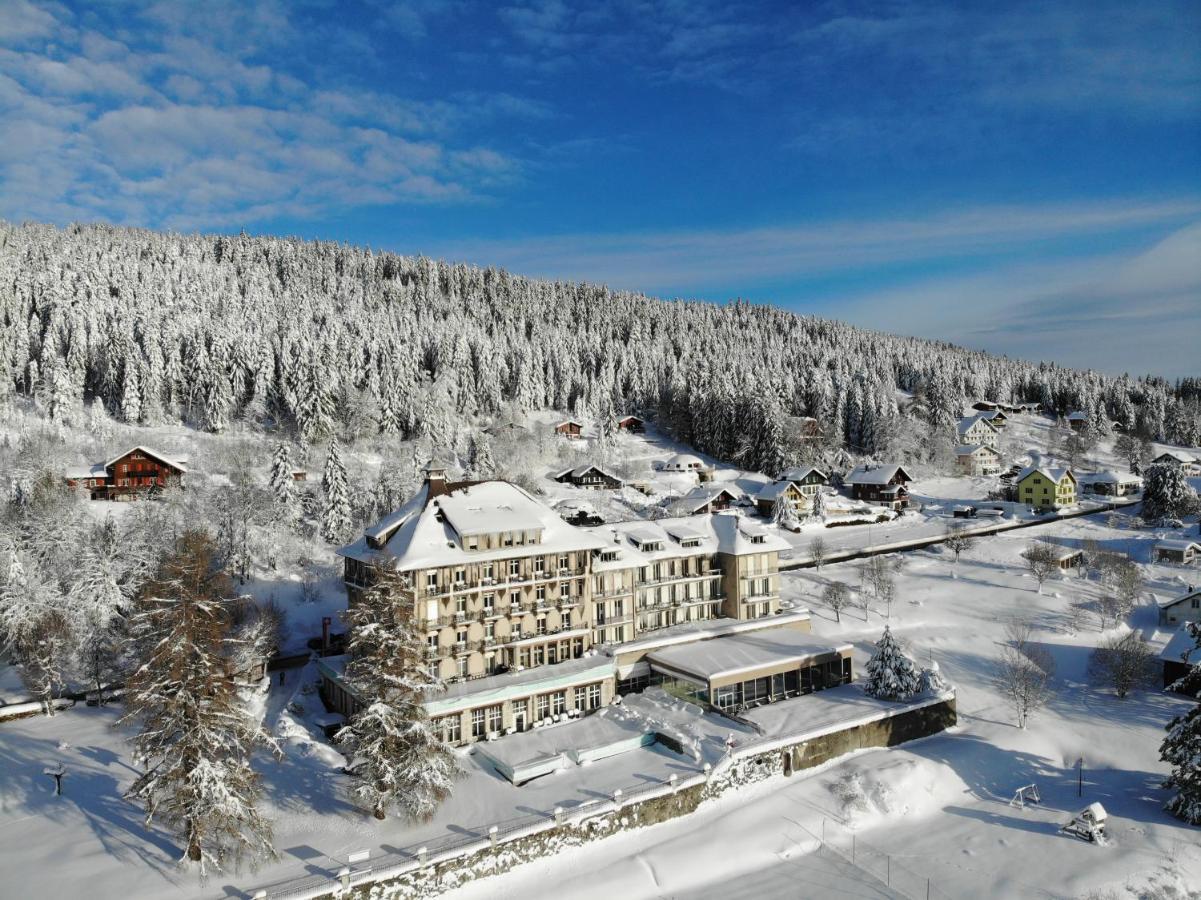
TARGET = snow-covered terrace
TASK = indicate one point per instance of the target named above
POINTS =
(734, 655)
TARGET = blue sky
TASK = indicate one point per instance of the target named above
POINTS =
(1021, 178)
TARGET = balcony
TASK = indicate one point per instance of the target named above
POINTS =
(431, 652)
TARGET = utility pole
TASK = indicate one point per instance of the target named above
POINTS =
(1080, 776)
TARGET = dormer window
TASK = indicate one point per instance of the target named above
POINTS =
(472, 543)
(757, 538)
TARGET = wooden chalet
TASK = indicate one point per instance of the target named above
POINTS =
(570, 429)
(883, 485)
(589, 476)
(784, 490)
(1180, 552)
(632, 424)
(707, 498)
(1077, 420)
(1188, 463)
(138, 471)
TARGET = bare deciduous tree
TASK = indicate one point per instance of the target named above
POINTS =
(837, 596)
(1024, 673)
(958, 541)
(1041, 562)
(1124, 662)
(817, 552)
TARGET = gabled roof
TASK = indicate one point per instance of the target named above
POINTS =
(881, 474)
(1178, 455)
(150, 451)
(1108, 477)
(800, 473)
(683, 460)
(990, 414)
(965, 425)
(581, 471)
(568, 422)
(1077, 416)
(1181, 648)
(630, 416)
(1052, 474)
(1177, 545)
(775, 490)
(1167, 602)
(704, 494)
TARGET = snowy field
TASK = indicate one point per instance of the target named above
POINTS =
(939, 807)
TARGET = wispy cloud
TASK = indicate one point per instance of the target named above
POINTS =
(169, 119)
(681, 262)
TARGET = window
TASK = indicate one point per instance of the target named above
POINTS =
(541, 625)
(461, 636)
(461, 605)
(489, 631)
(514, 598)
(565, 589)
(564, 561)
(473, 543)
(543, 705)
(494, 718)
(594, 696)
(581, 698)
(461, 666)
(487, 576)
(489, 604)
(477, 724)
(617, 608)
(514, 567)
(558, 702)
(451, 728)
(507, 539)
(460, 576)
(540, 593)
(431, 581)
(540, 564)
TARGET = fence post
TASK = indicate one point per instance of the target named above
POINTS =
(708, 771)
(674, 781)
(617, 797)
(492, 835)
(423, 856)
(558, 815)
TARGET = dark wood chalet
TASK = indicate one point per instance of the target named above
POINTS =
(138, 471)
(883, 485)
(589, 476)
(632, 424)
(571, 429)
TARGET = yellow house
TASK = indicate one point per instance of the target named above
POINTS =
(1046, 488)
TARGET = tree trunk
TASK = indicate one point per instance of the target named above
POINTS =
(378, 812)
(193, 844)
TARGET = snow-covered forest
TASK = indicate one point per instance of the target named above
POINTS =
(329, 340)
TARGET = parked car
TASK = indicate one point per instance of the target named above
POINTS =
(964, 512)
(991, 512)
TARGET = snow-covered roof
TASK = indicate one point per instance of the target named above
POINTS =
(683, 461)
(718, 533)
(1108, 477)
(971, 449)
(1181, 545)
(1165, 602)
(965, 425)
(581, 471)
(427, 531)
(1180, 456)
(1077, 416)
(706, 493)
(1051, 473)
(1181, 648)
(93, 471)
(990, 414)
(881, 474)
(569, 422)
(150, 451)
(774, 491)
(800, 473)
(733, 654)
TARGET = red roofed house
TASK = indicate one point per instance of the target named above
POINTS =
(632, 424)
(137, 471)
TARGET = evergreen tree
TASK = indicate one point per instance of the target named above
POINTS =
(335, 513)
(1167, 492)
(283, 485)
(196, 734)
(399, 761)
(1182, 750)
(891, 675)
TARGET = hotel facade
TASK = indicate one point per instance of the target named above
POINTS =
(529, 619)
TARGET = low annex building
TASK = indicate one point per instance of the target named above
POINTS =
(1111, 484)
(1046, 488)
(138, 471)
(521, 609)
(1180, 552)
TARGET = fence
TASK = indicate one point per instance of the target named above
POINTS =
(837, 839)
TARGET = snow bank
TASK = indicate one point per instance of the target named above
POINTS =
(869, 793)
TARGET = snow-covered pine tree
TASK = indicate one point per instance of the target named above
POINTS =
(891, 675)
(1167, 492)
(1182, 750)
(480, 464)
(196, 733)
(335, 510)
(399, 760)
(283, 486)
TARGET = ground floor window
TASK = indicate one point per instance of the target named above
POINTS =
(558, 702)
(477, 724)
(594, 696)
(543, 706)
(581, 698)
(494, 719)
(451, 728)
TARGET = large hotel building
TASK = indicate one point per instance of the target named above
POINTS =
(528, 618)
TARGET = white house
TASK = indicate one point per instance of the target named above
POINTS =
(977, 459)
(977, 430)
(1182, 458)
